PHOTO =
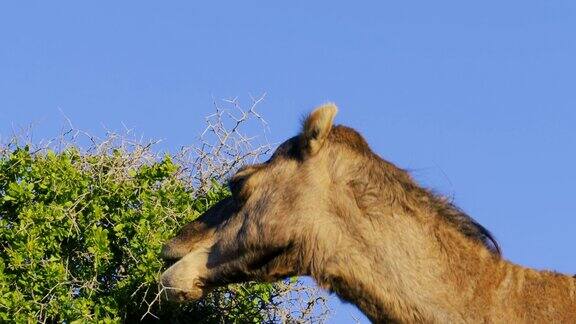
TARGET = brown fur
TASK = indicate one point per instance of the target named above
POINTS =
(326, 206)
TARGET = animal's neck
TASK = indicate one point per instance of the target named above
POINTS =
(431, 273)
(392, 252)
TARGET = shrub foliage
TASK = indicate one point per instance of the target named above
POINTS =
(81, 236)
(81, 232)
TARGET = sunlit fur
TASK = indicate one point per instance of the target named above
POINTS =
(326, 206)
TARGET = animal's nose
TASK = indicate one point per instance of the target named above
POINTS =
(173, 289)
(168, 291)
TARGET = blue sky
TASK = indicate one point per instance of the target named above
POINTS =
(478, 99)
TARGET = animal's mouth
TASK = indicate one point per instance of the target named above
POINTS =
(175, 291)
(197, 291)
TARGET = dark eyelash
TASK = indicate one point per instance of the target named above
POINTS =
(235, 184)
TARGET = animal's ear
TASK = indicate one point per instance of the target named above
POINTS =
(316, 128)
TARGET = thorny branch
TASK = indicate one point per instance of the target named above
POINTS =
(224, 145)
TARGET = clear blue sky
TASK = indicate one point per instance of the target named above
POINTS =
(477, 98)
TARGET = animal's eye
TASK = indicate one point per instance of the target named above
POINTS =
(235, 184)
(238, 183)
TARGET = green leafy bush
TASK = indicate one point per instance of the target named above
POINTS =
(81, 232)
